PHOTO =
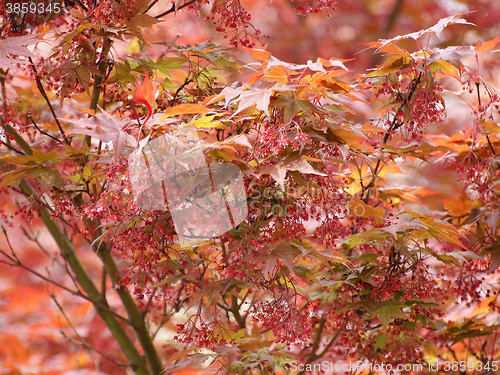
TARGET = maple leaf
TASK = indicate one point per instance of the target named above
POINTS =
(258, 54)
(360, 208)
(293, 162)
(488, 45)
(106, 128)
(389, 311)
(318, 66)
(236, 141)
(437, 29)
(184, 109)
(247, 98)
(452, 54)
(16, 46)
(285, 252)
(145, 93)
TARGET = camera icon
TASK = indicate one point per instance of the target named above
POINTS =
(171, 171)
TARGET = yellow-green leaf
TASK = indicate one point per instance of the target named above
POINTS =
(360, 208)
(448, 69)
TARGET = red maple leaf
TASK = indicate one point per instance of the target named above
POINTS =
(145, 93)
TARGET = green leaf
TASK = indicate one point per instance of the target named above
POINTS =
(381, 341)
(388, 313)
(368, 256)
(48, 176)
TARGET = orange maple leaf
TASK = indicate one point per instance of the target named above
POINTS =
(145, 93)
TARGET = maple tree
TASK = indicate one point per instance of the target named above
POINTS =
(369, 229)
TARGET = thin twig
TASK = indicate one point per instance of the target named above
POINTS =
(394, 126)
(33, 238)
(151, 5)
(44, 94)
(12, 148)
(81, 341)
(174, 9)
(313, 356)
(332, 341)
(16, 262)
(30, 117)
(187, 81)
(150, 301)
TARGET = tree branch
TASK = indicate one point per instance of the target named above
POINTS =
(15, 262)
(313, 356)
(393, 16)
(98, 79)
(134, 314)
(30, 117)
(69, 254)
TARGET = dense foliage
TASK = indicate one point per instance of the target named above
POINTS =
(371, 229)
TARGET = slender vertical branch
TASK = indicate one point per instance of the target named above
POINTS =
(479, 103)
(393, 16)
(235, 310)
(394, 126)
(4, 99)
(98, 79)
(319, 333)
